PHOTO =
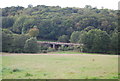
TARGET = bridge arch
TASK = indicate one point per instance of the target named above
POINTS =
(56, 45)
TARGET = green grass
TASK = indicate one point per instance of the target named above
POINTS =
(60, 67)
(66, 52)
(74, 52)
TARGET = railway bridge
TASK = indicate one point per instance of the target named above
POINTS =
(56, 45)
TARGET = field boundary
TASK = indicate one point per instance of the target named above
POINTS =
(12, 54)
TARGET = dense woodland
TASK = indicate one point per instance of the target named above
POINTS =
(96, 28)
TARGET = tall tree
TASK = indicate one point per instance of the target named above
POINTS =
(63, 38)
(96, 40)
(33, 32)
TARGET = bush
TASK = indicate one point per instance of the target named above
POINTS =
(16, 70)
(44, 51)
(77, 48)
(18, 45)
(7, 41)
(28, 74)
(63, 48)
(50, 49)
(31, 46)
(13, 42)
(70, 48)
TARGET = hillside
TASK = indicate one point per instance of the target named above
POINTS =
(66, 24)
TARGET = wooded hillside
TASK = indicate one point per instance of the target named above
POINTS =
(96, 28)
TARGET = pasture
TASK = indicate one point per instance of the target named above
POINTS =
(59, 65)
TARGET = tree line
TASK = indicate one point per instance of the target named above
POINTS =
(96, 28)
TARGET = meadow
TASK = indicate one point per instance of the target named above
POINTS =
(59, 65)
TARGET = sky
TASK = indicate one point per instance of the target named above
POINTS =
(110, 4)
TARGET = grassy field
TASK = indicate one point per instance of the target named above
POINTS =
(75, 52)
(85, 66)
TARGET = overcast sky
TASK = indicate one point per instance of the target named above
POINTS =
(110, 4)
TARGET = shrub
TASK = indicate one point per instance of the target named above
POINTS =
(7, 41)
(44, 51)
(16, 70)
(77, 48)
(18, 45)
(31, 46)
(50, 49)
(63, 48)
(28, 74)
(70, 48)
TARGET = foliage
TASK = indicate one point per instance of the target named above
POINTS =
(0, 39)
(43, 48)
(74, 25)
(114, 43)
(89, 28)
(7, 41)
(33, 32)
(50, 49)
(95, 40)
(12, 11)
(19, 42)
(63, 48)
(22, 24)
(53, 19)
(31, 46)
(63, 38)
(13, 42)
(7, 22)
(7, 31)
(74, 37)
